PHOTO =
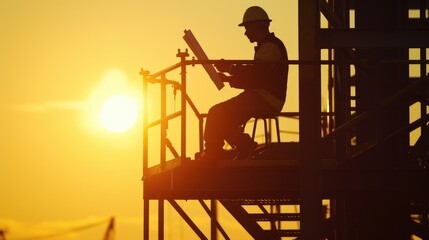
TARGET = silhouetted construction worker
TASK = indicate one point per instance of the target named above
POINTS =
(264, 83)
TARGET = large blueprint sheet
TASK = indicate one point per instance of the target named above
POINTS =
(201, 55)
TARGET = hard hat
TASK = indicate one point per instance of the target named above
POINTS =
(254, 14)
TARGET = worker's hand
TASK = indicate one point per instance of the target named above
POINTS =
(224, 77)
(223, 66)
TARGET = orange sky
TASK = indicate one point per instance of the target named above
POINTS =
(59, 168)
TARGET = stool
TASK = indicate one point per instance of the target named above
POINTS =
(265, 119)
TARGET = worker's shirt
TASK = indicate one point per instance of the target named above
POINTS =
(268, 75)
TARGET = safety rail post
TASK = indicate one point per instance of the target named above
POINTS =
(183, 56)
(164, 123)
(163, 149)
(145, 75)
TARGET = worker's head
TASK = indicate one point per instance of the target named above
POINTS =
(254, 14)
(256, 22)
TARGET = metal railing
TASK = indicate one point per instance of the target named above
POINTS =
(161, 79)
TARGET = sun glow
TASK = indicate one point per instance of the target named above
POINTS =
(118, 113)
(114, 104)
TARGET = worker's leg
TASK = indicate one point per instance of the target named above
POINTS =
(225, 120)
(222, 119)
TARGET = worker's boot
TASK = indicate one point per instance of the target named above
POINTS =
(210, 154)
(244, 147)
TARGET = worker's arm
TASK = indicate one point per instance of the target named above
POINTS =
(257, 75)
(224, 77)
(252, 76)
(222, 66)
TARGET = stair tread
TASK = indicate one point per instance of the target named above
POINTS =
(275, 216)
(264, 201)
(250, 220)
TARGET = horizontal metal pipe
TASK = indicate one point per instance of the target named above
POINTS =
(165, 70)
(321, 62)
(290, 62)
(167, 118)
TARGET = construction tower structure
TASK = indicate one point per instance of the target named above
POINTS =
(355, 173)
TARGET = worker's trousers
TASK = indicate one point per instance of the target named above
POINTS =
(225, 120)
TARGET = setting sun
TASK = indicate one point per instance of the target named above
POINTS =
(118, 113)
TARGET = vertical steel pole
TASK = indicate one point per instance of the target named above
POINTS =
(183, 56)
(213, 216)
(342, 109)
(146, 219)
(310, 125)
(161, 219)
(164, 123)
(163, 152)
(145, 75)
(423, 57)
(423, 107)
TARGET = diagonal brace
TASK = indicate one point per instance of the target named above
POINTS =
(187, 219)
(218, 226)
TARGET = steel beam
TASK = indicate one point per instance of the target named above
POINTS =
(374, 38)
(309, 122)
(262, 183)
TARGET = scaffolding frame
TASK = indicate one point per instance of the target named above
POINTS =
(352, 175)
